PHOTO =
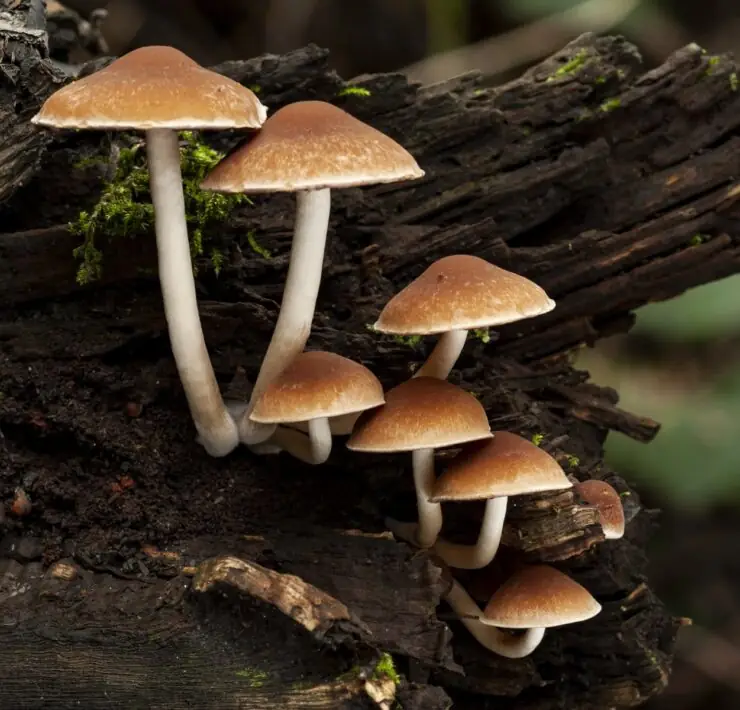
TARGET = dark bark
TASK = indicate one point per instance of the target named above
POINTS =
(26, 79)
(608, 186)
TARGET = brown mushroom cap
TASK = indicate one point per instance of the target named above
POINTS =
(153, 87)
(506, 465)
(538, 597)
(601, 495)
(421, 413)
(462, 292)
(318, 384)
(312, 145)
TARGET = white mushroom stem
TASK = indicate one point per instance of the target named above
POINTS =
(313, 448)
(430, 514)
(442, 359)
(217, 431)
(491, 637)
(489, 538)
(299, 302)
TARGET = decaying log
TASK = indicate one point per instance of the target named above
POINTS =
(26, 79)
(608, 185)
(244, 637)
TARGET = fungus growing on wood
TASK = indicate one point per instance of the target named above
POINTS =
(160, 90)
(493, 470)
(454, 295)
(308, 147)
(607, 501)
(316, 386)
(421, 415)
(532, 600)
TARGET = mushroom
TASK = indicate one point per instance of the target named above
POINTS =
(493, 470)
(607, 501)
(317, 385)
(421, 415)
(308, 147)
(531, 600)
(454, 295)
(160, 90)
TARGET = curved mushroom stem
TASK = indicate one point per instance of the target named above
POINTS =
(217, 431)
(491, 637)
(313, 448)
(442, 359)
(299, 301)
(430, 514)
(485, 549)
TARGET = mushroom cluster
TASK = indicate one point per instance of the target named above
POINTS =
(302, 399)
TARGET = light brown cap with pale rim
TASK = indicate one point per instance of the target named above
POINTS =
(421, 413)
(602, 496)
(539, 596)
(153, 87)
(506, 465)
(462, 292)
(318, 384)
(312, 145)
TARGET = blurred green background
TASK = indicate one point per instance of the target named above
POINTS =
(680, 364)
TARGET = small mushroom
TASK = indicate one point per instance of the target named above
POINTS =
(454, 295)
(532, 600)
(308, 147)
(316, 386)
(493, 470)
(421, 415)
(607, 501)
(160, 90)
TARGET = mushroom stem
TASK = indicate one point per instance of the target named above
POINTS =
(313, 448)
(491, 637)
(319, 432)
(442, 359)
(299, 302)
(430, 514)
(484, 550)
(217, 431)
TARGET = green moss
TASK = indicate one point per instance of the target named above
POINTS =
(482, 334)
(254, 677)
(411, 341)
(573, 461)
(256, 247)
(124, 208)
(385, 668)
(537, 439)
(698, 239)
(610, 105)
(712, 62)
(571, 66)
(354, 91)
(255, 88)
(734, 83)
(600, 80)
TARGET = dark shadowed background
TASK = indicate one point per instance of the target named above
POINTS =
(679, 365)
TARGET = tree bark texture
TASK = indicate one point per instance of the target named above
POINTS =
(147, 574)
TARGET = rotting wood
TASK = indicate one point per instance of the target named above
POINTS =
(609, 186)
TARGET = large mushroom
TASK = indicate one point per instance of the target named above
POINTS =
(308, 147)
(315, 387)
(532, 600)
(160, 90)
(421, 415)
(454, 295)
(493, 470)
